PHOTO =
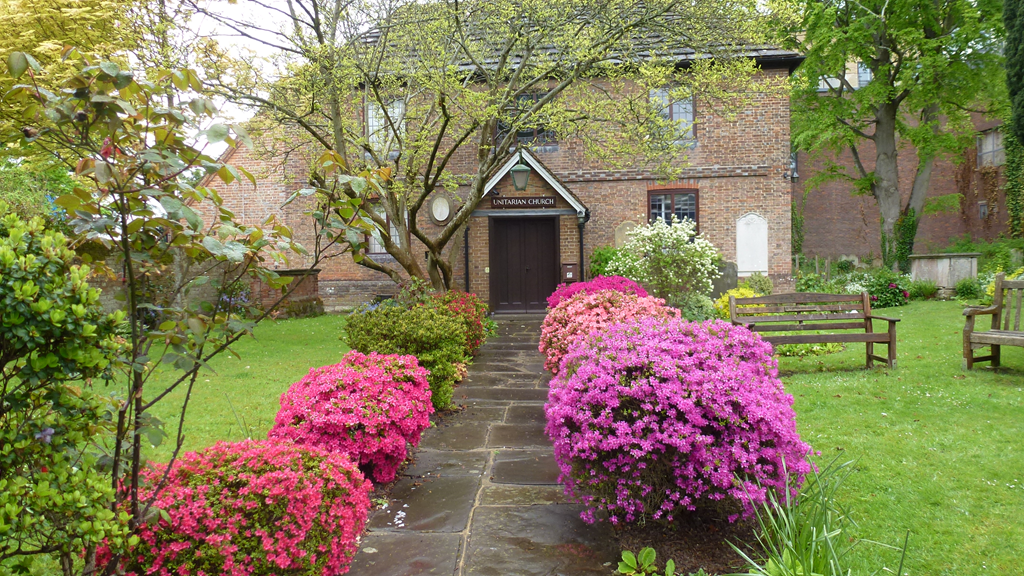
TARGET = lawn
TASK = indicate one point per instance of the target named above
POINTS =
(241, 397)
(938, 450)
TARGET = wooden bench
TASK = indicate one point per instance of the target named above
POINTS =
(805, 311)
(1006, 305)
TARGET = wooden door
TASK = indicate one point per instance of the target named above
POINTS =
(524, 263)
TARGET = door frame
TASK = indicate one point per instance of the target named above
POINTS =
(492, 247)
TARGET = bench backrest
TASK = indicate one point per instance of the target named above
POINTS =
(1008, 297)
(802, 311)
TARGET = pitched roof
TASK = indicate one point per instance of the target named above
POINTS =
(540, 168)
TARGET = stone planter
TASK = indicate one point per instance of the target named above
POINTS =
(944, 269)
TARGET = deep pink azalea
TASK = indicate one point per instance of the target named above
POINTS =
(617, 283)
(368, 406)
(651, 416)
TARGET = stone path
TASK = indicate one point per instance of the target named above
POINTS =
(481, 497)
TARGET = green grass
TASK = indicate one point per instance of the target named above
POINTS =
(243, 394)
(938, 450)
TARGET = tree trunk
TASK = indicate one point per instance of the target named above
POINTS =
(886, 187)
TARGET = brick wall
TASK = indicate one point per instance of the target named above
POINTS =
(839, 223)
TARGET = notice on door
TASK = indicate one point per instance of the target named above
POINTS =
(533, 202)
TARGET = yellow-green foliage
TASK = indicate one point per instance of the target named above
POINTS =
(991, 289)
(722, 304)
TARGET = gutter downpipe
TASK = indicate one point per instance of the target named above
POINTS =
(581, 221)
(465, 243)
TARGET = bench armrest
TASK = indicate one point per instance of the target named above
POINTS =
(873, 317)
(978, 311)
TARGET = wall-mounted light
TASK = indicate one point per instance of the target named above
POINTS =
(520, 174)
(791, 174)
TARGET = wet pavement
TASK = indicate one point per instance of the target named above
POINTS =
(481, 495)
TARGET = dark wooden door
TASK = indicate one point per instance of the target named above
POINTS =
(524, 263)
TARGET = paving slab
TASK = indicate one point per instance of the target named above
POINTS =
(503, 380)
(505, 394)
(475, 413)
(447, 463)
(524, 467)
(518, 436)
(409, 554)
(428, 505)
(526, 414)
(537, 541)
(462, 436)
(520, 495)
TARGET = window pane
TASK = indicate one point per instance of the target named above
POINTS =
(863, 75)
(686, 206)
(661, 207)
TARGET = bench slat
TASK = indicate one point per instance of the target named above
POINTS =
(800, 327)
(753, 319)
(751, 309)
(824, 338)
(998, 337)
(799, 298)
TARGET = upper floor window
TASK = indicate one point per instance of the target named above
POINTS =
(538, 134)
(664, 204)
(679, 112)
(863, 75)
(990, 148)
(381, 127)
(374, 241)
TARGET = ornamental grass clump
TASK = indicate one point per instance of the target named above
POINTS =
(618, 283)
(585, 314)
(654, 416)
(368, 406)
(252, 508)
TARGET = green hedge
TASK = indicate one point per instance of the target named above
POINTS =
(434, 336)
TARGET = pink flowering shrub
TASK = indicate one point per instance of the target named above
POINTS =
(368, 407)
(652, 416)
(585, 314)
(252, 508)
(618, 283)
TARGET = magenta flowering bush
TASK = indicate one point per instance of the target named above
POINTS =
(368, 407)
(584, 314)
(652, 416)
(617, 283)
(252, 508)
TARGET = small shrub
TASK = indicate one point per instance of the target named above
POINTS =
(810, 282)
(471, 311)
(845, 266)
(668, 259)
(367, 406)
(923, 289)
(888, 289)
(599, 260)
(760, 283)
(435, 337)
(656, 415)
(584, 314)
(990, 285)
(968, 289)
(722, 304)
(694, 307)
(251, 508)
(618, 283)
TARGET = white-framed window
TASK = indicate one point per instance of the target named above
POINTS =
(378, 130)
(863, 75)
(827, 83)
(679, 112)
(374, 241)
(990, 148)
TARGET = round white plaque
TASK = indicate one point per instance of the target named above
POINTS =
(440, 209)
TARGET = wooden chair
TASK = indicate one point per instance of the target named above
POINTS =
(1005, 311)
(804, 311)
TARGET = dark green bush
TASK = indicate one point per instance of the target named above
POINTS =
(888, 289)
(810, 282)
(968, 289)
(432, 335)
(599, 261)
(923, 289)
(760, 283)
(693, 306)
(845, 266)
(995, 255)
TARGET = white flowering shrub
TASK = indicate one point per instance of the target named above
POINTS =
(669, 261)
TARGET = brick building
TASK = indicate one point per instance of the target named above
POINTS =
(520, 243)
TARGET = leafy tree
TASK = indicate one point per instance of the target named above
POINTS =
(931, 64)
(1013, 20)
(129, 142)
(451, 83)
